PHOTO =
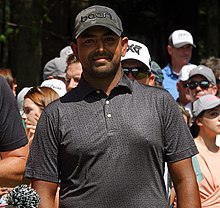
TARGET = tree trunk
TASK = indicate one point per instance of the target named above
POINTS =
(213, 28)
(25, 46)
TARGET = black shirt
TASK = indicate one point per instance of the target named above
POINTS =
(109, 151)
(12, 133)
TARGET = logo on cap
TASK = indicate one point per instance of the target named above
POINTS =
(96, 15)
(134, 48)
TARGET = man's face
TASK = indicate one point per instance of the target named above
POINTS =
(180, 55)
(199, 90)
(135, 64)
(73, 75)
(184, 96)
(99, 51)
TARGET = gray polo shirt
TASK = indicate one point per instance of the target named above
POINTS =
(109, 151)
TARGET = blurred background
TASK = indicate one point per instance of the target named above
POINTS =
(32, 32)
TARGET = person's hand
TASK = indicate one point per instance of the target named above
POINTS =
(4, 190)
(30, 129)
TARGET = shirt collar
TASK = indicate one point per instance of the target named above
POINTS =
(170, 72)
(84, 88)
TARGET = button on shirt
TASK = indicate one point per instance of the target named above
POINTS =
(109, 151)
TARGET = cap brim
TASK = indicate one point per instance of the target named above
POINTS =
(115, 30)
(179, 45)
(62, 75)
(211, 106)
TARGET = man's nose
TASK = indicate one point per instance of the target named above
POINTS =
(100, 46)
(130, 76)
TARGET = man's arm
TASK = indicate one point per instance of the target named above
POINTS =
(185, 184)
(47, 192)
(12, 165)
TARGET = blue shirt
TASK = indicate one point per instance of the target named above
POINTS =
(170, 80)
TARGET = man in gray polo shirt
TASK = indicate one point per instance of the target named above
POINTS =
(106, 141)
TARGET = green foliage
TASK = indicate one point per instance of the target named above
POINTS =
(2, 38)
(9, 31)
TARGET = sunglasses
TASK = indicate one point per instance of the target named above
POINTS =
(194, 84)
(138, 72)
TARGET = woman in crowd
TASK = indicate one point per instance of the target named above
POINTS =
(205, 127)
(206, 112)
(36, 99)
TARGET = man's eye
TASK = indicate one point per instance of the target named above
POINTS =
(89, 41)
(109, 39)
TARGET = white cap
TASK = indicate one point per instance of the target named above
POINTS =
(20, 98)
(137, 51)
(56, 84)
(65, 52)
(179, 38)
(185, 70)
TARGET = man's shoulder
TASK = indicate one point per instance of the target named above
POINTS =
(151, 90)
(166, 69)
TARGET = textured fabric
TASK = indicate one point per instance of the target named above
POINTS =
(110, 151)
(169, 81)
(12, 133)
(209, 187)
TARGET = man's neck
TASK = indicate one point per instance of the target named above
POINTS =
(176, 67)
(105, 84)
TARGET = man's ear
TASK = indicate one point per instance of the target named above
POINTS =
(178, 86)
(151, 80)
(75, 49)
(169, 49)
(124, 42)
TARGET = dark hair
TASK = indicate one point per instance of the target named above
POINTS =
(186, 113)
(194, 129)
(7, 74)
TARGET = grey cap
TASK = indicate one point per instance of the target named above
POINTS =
(55, 67)
(205, 102)
(65, 52)
(97, 16)
(204, 71)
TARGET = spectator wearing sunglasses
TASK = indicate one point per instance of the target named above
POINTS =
(184, 98)
(136, 63)
(201, 81)
(179, 48)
